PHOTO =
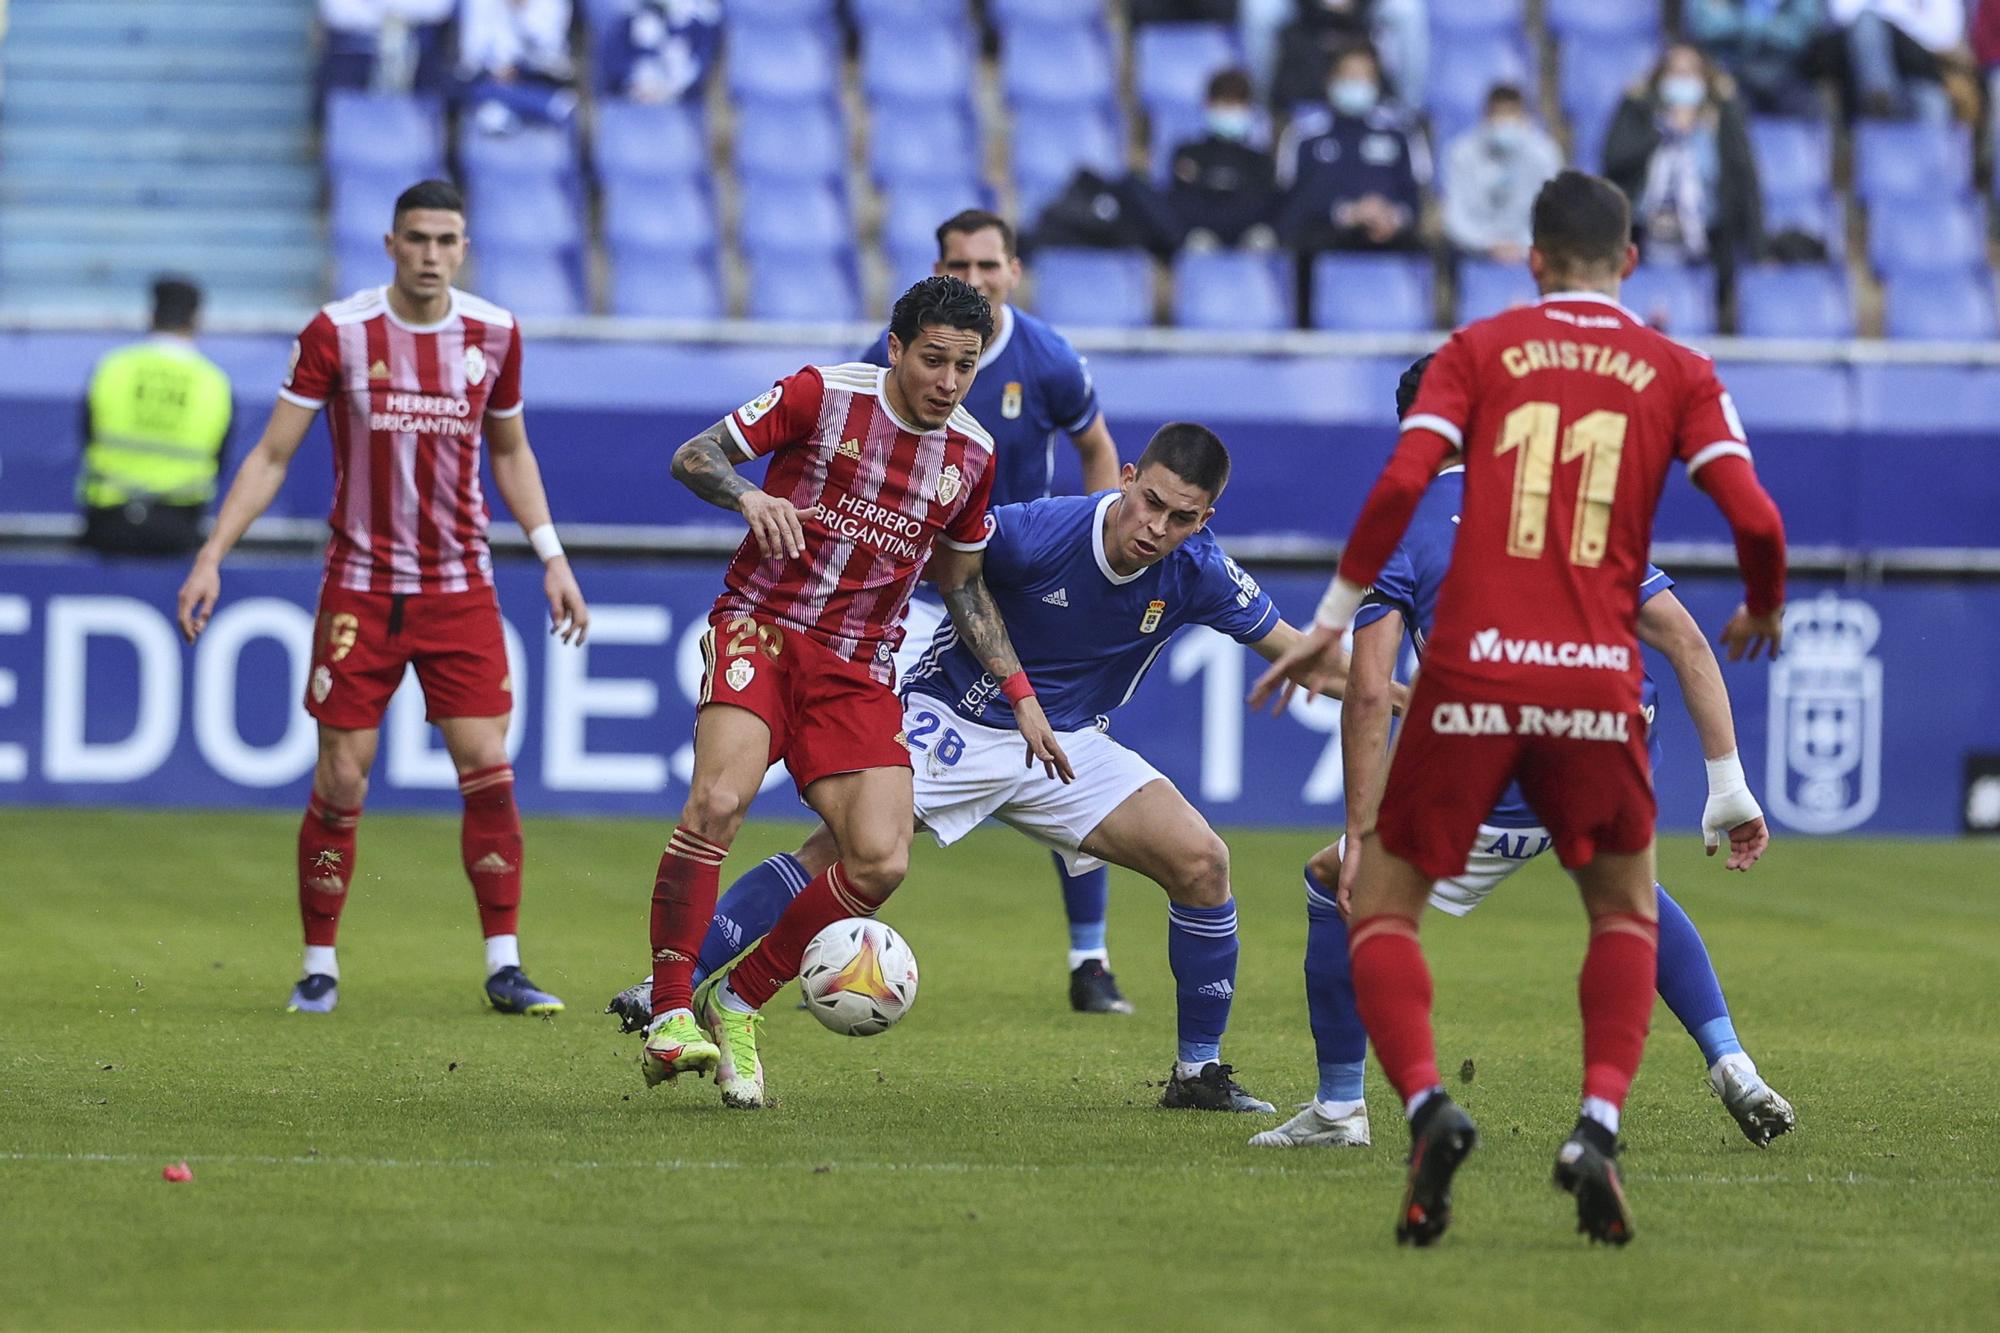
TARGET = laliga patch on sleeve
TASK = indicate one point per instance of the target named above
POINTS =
(293, 368)
(754, 410)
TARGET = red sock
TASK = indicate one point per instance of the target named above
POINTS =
(489, 840)
(684, 893)
(776, 958)
(326, 863)
(1616, 991)
(1392, 991)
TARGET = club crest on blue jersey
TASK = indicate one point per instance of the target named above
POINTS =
(1010, 400)
(1151, 620)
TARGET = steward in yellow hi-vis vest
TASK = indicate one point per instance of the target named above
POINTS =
(155, 423)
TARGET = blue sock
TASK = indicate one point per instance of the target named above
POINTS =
(749, 909)
(1338, 1037)
(1688, 984)
(1201, 949)
(1086, 897)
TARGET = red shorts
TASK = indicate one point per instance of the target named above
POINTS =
(1584, 771)
(827, 715)
(362, 641)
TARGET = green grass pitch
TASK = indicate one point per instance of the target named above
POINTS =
(996, 1161)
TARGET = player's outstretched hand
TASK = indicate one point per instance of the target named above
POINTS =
(1746, 635)
(1746, 843)
(1041, 739)
(1350, 871)
(569, 618)
(198, 597)
(1315, 663)
(775, 522)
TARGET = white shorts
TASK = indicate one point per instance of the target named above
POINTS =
(967, 773)
(1497, 854)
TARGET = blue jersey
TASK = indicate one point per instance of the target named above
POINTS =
(1031, 385)
(1409, 583)
(1085, 633)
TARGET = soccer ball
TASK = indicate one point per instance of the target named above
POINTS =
(859, 977)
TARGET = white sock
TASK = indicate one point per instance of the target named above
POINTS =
(1078, 957)
(1336, 1110)
(319, 959)
(1603, 1112)
(1415, 1101)
(726, 995)
(1190, 1068)
(502, 951)
(671, 1013)
(1736, 1060)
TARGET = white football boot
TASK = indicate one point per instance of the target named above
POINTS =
(1311, 1129)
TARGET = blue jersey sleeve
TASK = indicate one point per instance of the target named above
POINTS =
(1007, 554)
(878, 354)
(1395, 589)
(1232, 602)
(1072, 395)
(1656, 582)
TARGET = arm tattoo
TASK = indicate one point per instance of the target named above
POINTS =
(703, 466)
(980, 628)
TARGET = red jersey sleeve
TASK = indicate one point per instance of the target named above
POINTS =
(505, 400)
(972, 527)
(1709, 427)
(314, 375)
(1444, 397)
(782, 415)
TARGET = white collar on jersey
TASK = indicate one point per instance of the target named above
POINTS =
(1599, 297)
(882, 397)
(999, 343)
(451, 313)
(1097, 542)
(1447, 471)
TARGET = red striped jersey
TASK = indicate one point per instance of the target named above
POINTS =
(881, 493)
(406, 405)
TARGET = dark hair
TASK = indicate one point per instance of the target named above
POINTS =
(1582, 221)
(1342, 52)
(976, 220)
(1229, 85)
(1504, 94)
(940, 300)
(1406, 387)
(175, 301)
(1191, 452)
(440, 195)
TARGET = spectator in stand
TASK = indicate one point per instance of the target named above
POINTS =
(669, 47)
(1680, 150)
(1986, 52)
(391, 46)
(1491, 175)
(1352, 170)
(1399, 31)
(513, 56)
(1224, 189)
(1182, 11)
(1762, 43)
(1884, 56)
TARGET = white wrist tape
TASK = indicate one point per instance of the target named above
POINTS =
(545, 542)
(1337, 608)
(1726, 775)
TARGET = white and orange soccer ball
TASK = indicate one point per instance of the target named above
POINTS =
(858, 977)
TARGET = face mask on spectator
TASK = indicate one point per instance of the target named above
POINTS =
(1507, 134)
(1352, 97)
(1232, 121)
(1683, 90)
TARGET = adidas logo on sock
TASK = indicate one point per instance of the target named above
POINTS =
(1221, 990)
(491, 864)
(1060, 597)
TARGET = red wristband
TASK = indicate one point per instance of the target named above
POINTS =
(1016, 688)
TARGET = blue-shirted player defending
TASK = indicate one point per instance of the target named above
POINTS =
(1405, 597)
(1092, 588)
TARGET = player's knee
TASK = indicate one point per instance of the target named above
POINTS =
(714, 812)
(342, 780)
(875, 874)
(818, 851)
(1201, 876)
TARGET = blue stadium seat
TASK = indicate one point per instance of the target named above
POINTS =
(639, 139)
(781, 63)
(804, 292)
(358, 264)
(1463, 71)
(1674, 299)
(529, 282)
(1008, 14)
(403, 134)
(1940, 307)
(1168, 127)
(1230, 291)
(913, 210)
(908, 264)
(1794, 157)
(1793, 301)
(794, 218)
(362, 204)
(790, 141)
(1456, 20)
(1173, 62)
(1372, 293)
(1904, 160)
(915, 63)
(927, 13)
(1603, 18)
(600, 14)
(1068, 66)
(672, 216)
(781, 11)
(1821, 215)
(1486, 288)
(1786, 396)
(651, 285)
(1943, 235)
(1050, 144)
(922, 142)
(524, 214)
(1094, 288)
(535, 152)
(1934, 398)
(1594, 72)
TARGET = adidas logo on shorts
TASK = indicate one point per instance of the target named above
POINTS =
(1060, 597)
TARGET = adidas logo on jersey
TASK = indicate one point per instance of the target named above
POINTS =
(1221, 990)
(379, 371)
(1060, 597)
(849, 448)
(491, 864)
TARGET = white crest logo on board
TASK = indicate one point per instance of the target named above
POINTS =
(739, 673)
(1824, 753)
(949, 481)
(475, 366)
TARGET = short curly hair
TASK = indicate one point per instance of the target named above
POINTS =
(941, 300)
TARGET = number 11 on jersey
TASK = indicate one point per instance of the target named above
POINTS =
(1598, 438)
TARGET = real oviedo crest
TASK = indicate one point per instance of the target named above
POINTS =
(1824, 753)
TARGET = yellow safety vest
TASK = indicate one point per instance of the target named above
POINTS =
(159, 412)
